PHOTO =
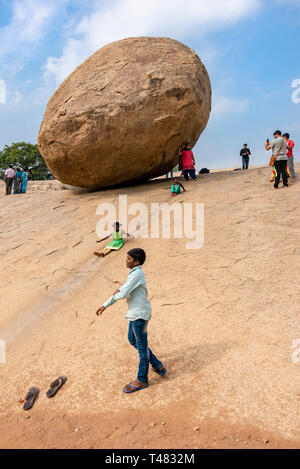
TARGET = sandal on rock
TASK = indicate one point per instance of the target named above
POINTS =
(30, 398)
(56, 385)
(133, 388)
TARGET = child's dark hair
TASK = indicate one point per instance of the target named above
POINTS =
(138, 255)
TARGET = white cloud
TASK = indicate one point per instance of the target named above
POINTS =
(28, 24)
(117, 19)
(2, 92)
(222, 105)
(30, 21)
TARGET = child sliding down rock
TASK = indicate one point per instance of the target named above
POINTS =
(115, 244)
(176, 187)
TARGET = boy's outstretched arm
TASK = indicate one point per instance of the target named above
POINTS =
(131, 283)
(100, 310)
(182, 187)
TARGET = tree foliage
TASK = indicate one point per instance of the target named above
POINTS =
(22, 155)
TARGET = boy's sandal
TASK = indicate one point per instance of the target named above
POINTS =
(160, 371)
(133, 388)
(56, 385)
(30, 398)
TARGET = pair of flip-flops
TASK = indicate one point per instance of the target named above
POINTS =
(160, 371)
(34, 392)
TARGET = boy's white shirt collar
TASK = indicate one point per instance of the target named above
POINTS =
(134, 268)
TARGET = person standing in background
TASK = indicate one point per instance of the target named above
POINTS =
(187, 162)
(9, 176)
(289, 154)
(24, 179)
(17, 181)
(245, 153)
(278, 147)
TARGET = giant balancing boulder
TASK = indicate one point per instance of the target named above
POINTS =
(124, 113)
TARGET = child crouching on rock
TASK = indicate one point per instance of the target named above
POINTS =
(176, 187)
(139, 313)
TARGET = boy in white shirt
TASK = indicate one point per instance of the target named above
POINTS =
(139, 313)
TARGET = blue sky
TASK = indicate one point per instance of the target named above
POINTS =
(249, 47)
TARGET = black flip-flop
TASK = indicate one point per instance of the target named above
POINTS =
(30, 398)
(56, 385)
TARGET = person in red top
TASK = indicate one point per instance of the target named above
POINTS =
(289, 154)
(187, 162)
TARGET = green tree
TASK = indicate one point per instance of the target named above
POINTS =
(22, 155)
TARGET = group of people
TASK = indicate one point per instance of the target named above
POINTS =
(135, 288)
(282, 159)
(16, 179)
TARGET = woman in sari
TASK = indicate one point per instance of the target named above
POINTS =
(24, 179)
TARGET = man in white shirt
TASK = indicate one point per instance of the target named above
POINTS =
(279, 148)
(9, 177)
(139, 313)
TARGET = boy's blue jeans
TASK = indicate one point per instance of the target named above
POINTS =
(137, 336)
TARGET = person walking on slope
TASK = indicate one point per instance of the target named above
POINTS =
(139, 313)
(278, 147)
